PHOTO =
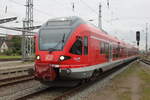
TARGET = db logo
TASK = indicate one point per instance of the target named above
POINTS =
(49, 57)
(77, 59)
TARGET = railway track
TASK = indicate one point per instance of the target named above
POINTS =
(64, 94)
(11, 75)
(145, 61)
(20, 89)
(9, 62)
(12, 72)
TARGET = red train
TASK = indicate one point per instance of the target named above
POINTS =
(71, 49)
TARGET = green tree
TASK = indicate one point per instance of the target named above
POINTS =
(16, 45)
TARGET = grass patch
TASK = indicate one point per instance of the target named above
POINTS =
(146, 93)
(123, 90)
(125, 95)
(9, 57)
(127, 72)
(145, 76)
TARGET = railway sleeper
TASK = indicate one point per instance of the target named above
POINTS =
(13, 74)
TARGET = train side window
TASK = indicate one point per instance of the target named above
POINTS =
(77, 47)
(102, 47)
(118, 51)
(114, 51)
(106, 48)
(85, 45)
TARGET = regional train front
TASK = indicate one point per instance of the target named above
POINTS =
(53, 59)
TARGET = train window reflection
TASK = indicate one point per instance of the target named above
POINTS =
(85, 45)
(77, 47)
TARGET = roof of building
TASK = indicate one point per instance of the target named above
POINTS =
(9, 44)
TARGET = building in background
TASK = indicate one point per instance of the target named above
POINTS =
(6, 43)
(3, 47)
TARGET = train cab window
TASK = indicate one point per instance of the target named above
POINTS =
(77, 47)
(85, 45)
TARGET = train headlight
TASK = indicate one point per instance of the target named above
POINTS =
(62, 58)
(38, 57)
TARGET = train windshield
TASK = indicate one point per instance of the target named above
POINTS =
(52, 39)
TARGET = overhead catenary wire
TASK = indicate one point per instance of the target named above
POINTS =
(49, 14)
(89, 7)
(45, 13)
(58, 2)
(6, 10)
(93, 10)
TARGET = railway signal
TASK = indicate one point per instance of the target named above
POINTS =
(138, 37)
(108, 3)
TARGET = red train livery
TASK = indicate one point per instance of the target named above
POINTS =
(69, 48)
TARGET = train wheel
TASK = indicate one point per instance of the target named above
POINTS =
(82, 81)
(95, 75)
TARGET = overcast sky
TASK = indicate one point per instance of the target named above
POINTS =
(121, 19)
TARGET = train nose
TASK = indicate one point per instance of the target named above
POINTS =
(46, 72)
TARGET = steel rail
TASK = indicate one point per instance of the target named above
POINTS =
(145, 61)
(14, 80)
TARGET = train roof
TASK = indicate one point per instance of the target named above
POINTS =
(111, 38)
(73, 22)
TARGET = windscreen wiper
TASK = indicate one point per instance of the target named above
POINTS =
(54, 48)
(62, 41)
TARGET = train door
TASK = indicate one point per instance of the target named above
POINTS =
(76, 51)
(80, 49)
(85, 49)
(110, 52)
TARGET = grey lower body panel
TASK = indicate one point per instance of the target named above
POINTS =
(75, 75)
(86, 72)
